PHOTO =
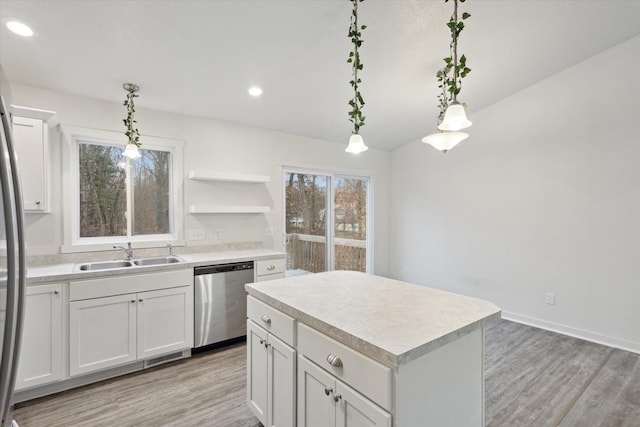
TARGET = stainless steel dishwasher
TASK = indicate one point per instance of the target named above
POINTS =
(220, 302)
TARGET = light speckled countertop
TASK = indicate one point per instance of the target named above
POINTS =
(63, 272)
(390, 321)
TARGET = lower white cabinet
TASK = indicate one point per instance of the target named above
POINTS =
(40, 360)
(270, 269)
(271, 378)
(111, 331)
(324, 401)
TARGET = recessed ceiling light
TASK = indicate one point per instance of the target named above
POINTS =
(19, 28)
(255, 91)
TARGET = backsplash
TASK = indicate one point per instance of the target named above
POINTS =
(43, 260)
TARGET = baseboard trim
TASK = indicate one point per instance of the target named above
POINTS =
(633, 347)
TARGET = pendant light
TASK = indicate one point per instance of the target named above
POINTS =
(131, 150)
(455, 117)
(356, 143)
(452, 117)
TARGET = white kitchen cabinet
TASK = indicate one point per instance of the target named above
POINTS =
(110, 331)
(271, 367)
(102, 333)
(116, 320)
(324, 401)
(165, 321)
(40, 360)
(270, 269)
(31, 133)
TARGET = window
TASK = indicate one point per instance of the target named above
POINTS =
(317, 241)
(116, 198)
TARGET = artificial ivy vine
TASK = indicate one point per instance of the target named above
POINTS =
(450, 77)
(133, 135)
(356, 103)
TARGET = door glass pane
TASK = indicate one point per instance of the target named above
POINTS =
(151, 193)
(305, 222)
(103, 197)
(350, 224)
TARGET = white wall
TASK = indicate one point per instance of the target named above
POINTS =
(544, 197)
(217, 146)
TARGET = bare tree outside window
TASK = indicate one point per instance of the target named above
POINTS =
(151, 194)
(103, 191)
(103, 197)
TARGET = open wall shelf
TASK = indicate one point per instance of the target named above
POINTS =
(206, 209)
(228, 177)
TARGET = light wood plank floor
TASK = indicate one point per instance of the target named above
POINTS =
(533, 378)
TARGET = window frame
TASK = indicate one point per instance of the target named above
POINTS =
(72, 241)
(330, 203)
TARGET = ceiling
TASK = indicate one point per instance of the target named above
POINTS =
(199, 57)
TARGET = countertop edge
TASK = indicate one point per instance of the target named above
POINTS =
(365, 347)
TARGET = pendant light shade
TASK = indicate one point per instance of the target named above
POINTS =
(455, 118)
(445, 141)
(131, 151)
(356, 144)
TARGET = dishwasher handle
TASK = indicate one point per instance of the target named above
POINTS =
(223, 268)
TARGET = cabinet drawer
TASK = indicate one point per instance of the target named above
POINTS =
(362, 373)
(269, 266)
(274, 321)
(270, 277)
(129, 284)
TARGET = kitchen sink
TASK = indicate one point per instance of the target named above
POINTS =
(104, 265)
(157, 260)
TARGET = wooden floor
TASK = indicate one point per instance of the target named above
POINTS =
(533, 378)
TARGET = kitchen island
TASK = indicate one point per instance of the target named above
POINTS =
(357, 349)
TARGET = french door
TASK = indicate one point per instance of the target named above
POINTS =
(327, 219)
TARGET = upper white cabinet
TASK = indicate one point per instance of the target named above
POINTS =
(41, 348)
(31, 134)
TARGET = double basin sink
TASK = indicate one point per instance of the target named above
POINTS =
(140, 262)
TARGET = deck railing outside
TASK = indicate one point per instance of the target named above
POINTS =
(308, 253)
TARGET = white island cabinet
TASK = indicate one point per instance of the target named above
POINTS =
(373, 351)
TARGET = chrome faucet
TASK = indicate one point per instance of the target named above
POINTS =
(170, 246)
(128, 251)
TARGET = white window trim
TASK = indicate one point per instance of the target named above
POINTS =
(332, 173)
(70, 180)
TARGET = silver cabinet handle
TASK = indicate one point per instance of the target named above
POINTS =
(262, 341)
(334, 360)
(337, 397)
(133, 301)
(266, 319)
(140, 300)
(271, 267)
(327, 390)
(56, 292)
(37, 202)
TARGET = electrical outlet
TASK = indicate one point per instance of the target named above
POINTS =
(268, 231)
(549, 298)
(197, 234)
(217, 234)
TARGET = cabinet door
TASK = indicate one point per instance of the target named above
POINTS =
(31, 146)
(102, 333)
(257, 371)
(40, 359)
(281, 381)
(316, 407)
(165, 321)
(354, 410)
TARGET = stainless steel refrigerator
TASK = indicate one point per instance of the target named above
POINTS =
(12, 258)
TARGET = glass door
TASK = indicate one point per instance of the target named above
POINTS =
(326, 222)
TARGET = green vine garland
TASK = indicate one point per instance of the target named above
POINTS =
(356, 103)
(133, 135)
(450, 77)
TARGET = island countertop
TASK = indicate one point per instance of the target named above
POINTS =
(390, 321)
